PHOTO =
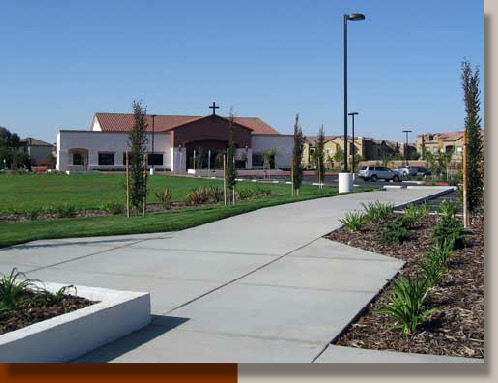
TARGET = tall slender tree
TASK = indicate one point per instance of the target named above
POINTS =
(137, 141)
(473, 137)
(320, 155)
(231, 170)
(297, 157)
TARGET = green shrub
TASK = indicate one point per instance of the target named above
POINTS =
(32, 213)
(14, 287)
(448, 208)
(114, 208)
(396, 231)
(416, 212)
(406, 304)
(353, 221)
(55, 298)
(376, 211)
(433, 266)
(215, 194)
(164, 197)
(65, 211)
(449, 232)
(197, 196)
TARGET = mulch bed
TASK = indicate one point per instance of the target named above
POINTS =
(31, 310)
(457, 328)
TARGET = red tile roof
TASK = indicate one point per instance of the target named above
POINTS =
(123, 122)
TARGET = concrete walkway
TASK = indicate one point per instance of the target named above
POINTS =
(258, 287)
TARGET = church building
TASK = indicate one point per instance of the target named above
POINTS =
(174, 142)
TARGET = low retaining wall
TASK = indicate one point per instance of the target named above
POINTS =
(68, 336)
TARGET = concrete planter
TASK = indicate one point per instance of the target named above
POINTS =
(68, 336)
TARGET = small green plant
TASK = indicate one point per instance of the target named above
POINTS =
(376, 211)
(65, 211)
(448, 208)
(416, 212)
(406, 304)
(32, 213)
(164, 197)
(197, 196)
(449, 232)
(433, 266)
(353, 221)
(215, 194)
(396, 231)
(14, 287)
(114, 208)
(55, 298)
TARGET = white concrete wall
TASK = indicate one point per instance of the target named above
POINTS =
(68, 336)
(282, 143)
(96, 142)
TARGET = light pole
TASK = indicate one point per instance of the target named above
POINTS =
(406, 145)
(352, 114)
(345, 178)
(152, 169)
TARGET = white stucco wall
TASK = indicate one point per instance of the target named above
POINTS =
(282, 143)
(95, 142)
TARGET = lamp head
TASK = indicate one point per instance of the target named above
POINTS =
(356, 16)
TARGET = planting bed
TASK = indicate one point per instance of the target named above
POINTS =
(31, 309)
(457, 327)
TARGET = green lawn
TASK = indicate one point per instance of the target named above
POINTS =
(90, 191)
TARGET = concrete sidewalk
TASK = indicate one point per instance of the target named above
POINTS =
(258, 287)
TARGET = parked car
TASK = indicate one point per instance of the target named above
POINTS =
(374, 173)
(408, 171)
(423, 170)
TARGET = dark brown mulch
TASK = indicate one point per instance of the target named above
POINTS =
(30, 310)
(457, 328)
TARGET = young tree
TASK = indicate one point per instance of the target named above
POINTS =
(319, 155)
(297, 157)
(137, 141)
(231, 170)
(339, 156)
(473, 138)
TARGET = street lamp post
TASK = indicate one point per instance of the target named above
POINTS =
(406, 145)
(352, 114)
(345, 178)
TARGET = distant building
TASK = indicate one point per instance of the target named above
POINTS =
(435, 143)
(40, 152)
(175, 138)
(366, 149)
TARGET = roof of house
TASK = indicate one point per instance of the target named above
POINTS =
(34, 142)
(123, 122)
(447, 136)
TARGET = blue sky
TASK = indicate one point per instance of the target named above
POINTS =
(63, 61)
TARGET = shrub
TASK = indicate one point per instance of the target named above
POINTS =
(449, 232)
(164, 197)
(353, 221)
(434, 265)
(197, 196)
(396, 231)
(114, 208)
(33, 213)
(375, 211)
(448, 208)
(65, 211)
(12, 289)
(416, 212)
(406, 304)
(215, 194)
(55, 298)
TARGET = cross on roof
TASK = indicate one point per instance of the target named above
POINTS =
(214, 107)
